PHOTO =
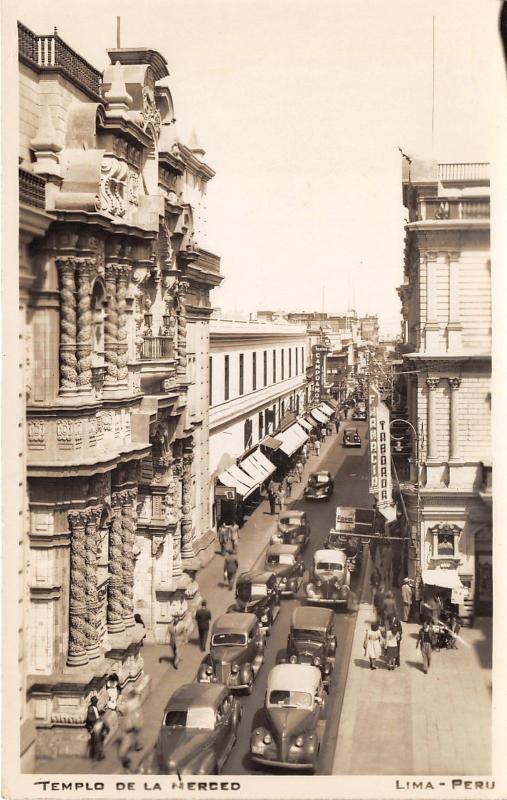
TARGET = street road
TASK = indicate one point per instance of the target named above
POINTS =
(350, 469)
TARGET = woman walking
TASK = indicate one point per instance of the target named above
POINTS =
(391, 640)
(373, 644)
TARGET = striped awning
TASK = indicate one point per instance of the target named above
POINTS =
(239, 480)
(292, 439)
(326, 410)
(271, 442)
(264, 463)
(307, 426)
(319, 416)
(257, 466)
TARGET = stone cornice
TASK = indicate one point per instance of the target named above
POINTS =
(104, 222)
(84, 467)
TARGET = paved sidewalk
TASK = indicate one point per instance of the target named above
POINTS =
(408, 723)
(254, 539)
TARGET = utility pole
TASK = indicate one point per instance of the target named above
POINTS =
(118, 37)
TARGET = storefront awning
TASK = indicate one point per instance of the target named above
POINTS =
(292, 439)
(264, 463)
(271, 442)
(328, 405)
(326, 410)
(305, 425)
(258, 468)
(319, 416)
(239, 480)
(446, 578)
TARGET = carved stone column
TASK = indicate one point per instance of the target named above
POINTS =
(84, 324)
(115, 623)
(177, 567)
(432, 384)
(122, 277)
(187, 547)
(111, 327)
(183, 287)
(78, 640)
(454, 384)
(68, 328)
(129, 515)
(92, 597)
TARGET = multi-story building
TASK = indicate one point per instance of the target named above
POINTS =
(114, 304)
(257, 379)
(446, 298)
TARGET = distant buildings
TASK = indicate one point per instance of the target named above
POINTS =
(446, 307)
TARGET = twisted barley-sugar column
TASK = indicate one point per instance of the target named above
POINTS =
(68, 328)
(187, 546)
(183, 287)
(122, 276)
(92, 595)
(115, 623)
(78, 629)
(129, 531)
(84, 324)
(177, 566)
(111, 327)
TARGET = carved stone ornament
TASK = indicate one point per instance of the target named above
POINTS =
(150, 113)
(64, 430)
(157, 544)
(113, 178)
(36, 434)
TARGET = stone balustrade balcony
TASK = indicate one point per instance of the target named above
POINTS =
(453, 209)
(157, 347)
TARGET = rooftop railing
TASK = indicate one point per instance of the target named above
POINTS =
(464, 171)
(50, 51)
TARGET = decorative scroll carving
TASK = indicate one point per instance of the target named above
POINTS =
(432, 383)
(150, 113)
(64, 433)
(36, 434)
(129, 528)
(115, 621)
(123, 273)
(78, 629)
(454, 383)
(84, 324)
(113, 178)
(111, 327)
(177, 567)
(187, 549)
(92, 598)
(68, 326)
(183, 287)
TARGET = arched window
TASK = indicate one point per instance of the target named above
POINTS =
(98, 317)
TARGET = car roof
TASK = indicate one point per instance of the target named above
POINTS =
(336, 556)
(350, 429)
(320, 472)
(302, 677)
(278, 549)
(310, 617)
(255, 576)
(234, 622)
(196, 695)
(294, 513)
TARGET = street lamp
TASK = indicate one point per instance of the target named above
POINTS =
(398, 440)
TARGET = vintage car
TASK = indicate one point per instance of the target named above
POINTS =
(288, 735)
(293, 528)
(351, 438)
(199, 729)
(359, 412)
(286, 562)
(236, 652)
(257, 593)
(312, 639)
(351, 547)
(329, 578)
(320, 486)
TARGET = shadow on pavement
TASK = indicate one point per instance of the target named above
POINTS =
(483, 645)
(415, 664)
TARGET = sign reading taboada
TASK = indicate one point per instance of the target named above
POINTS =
(380, 449)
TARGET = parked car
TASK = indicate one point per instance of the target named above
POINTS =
(293, 528)
(236, 652)
(199, 729)
(288, 735)
(359, 414)
(320, 486)
(351, 438)
(329, 578)
(312, 639)
(257, 593)
(350, 546)
(286, 561)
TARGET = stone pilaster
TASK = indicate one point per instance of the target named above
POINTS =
(115, 623)
(183, 287)
(129, 516)
(78, 640)
(187, 547)
(432, 384)
(68, 328)
(177, 566)
(92, 597)
(84, 324)
(122, 277)
(111, 327)
(454, 384)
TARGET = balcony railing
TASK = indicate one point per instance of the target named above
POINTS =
(453, 209)
(32, 189)
(50, 51)
(464, 172)
(157, 347)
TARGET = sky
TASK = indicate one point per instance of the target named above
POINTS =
(302, 108)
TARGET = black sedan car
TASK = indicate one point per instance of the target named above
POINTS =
(351, 438)
(312, 639)
(293, 528)
(288, 566)
(257, 593)
(320, 486)
(199, 729)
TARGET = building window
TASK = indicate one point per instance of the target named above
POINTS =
(297, 360)
(210, 381)
(290, 362)
(226, 378)
(248, 433)
(283, 363)
(445, 544)
(290, 403)
(274, 366)
(241, 373)
(302, 359)
(254, 372)
(282, 409)
(265, 367)
(261, 424)
(297, 402)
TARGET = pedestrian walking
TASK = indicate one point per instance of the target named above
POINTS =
(131, 728)
(113, 691)
(378, 602)
(203, 619)
(233, 537)
(299, 470)
(176, 629)
(395, 624)
(317, 447)
(223, 537)
(337, 424)
(280, 497)
(230, 569)
(375, 579)
(391, 643)
(406, 596)
(304, 453)
(373, 644)
(291, 480)
(329, 428)
(425, 640)
(389, 607)
(97, 728)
